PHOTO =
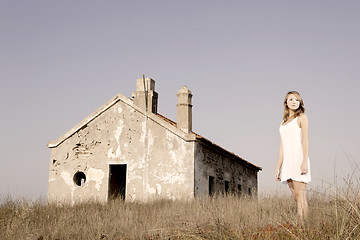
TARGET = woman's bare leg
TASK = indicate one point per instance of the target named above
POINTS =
(300, 197)
(291, 186)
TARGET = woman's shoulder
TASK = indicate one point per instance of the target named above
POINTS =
(302, 119)
(302, 116)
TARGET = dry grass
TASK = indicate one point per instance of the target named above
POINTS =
(334, 216)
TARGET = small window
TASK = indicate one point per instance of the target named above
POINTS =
(211, 185)
(249, 190)
(79, 178)
(227, 187)
(239, 189)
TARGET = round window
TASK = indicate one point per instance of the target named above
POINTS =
(79, 178)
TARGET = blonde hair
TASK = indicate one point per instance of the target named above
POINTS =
(299, 111)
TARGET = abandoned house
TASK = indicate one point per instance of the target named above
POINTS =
(125, 149)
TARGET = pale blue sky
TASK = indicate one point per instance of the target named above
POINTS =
(61, 60)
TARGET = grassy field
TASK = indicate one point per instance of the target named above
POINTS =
(332, 216)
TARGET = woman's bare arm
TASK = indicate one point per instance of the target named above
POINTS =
(304, 124)
(280, 161)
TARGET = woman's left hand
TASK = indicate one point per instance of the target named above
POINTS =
(304, 168)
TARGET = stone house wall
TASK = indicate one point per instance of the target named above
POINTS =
(219, 173)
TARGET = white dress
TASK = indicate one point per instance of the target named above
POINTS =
(293, 153)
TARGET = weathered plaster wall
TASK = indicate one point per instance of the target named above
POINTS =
(170, 169)
(159, 163)
(210, 162)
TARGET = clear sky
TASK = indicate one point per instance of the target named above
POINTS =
(61, 60)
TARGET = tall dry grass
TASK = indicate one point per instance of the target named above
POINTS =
(332, 216)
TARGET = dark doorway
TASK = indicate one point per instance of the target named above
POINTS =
(117, 181)
(227, 187)
(239, 190)
(211, 186)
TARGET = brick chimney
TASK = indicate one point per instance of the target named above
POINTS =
(184, 110)
(145, 96)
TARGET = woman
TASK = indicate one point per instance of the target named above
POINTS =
(293, 165)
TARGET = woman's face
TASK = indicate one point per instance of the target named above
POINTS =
(292, 102)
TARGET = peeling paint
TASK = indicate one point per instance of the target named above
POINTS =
(67, 178)
(69, 181)
(118, 130)
(96, 175)
(117, 133)
(143, 131)
(150, 139)
(176, 153)
(158, 189)
(173, 177)
(149, 189)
